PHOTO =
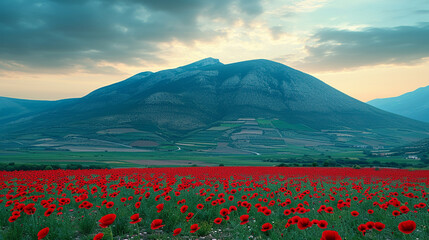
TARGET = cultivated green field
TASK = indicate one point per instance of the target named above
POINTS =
(64, 159)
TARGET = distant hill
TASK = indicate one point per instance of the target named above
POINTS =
(13, 108)
(210, 106)
(413, 104)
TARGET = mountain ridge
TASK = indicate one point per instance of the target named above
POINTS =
(175, 103)
(414, 104)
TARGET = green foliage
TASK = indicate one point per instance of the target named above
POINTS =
(48, 167)
(28, 167)
(356, 166)
(205, 228)
(87, 224)
(12, 233)
(108, 235)
(121, 226)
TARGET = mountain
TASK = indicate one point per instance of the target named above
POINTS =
(413, 104)
(209, 105)
(12, 108)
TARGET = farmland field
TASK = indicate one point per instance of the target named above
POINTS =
(215, 203)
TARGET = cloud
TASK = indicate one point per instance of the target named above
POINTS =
(422, 11)
(251, 7)
(277, 32)
(337, 49)
(83, 34)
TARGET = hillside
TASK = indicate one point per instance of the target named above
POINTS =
(12, 107)
(413, 104)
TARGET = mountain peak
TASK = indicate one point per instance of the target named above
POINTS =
(202, 63)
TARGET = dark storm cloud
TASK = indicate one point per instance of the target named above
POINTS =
(335, 49)
(58, 34)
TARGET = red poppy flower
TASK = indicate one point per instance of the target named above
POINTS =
(329, 210)
(330, 235)
(362, 227)
(107, 220)
(42, 233)
(295, 219)
(355, 213)
(404, 209)
(137, 205)
(407, 227)
(177, 231)
(224, 211)
(13, 218)
(370, 211)
(218, 220)
(30, 209)
(396, 213)
(267, 212)
(266, 227)
(232, 208)
(157, 223)
(99, 236)
(200, 206)
(109, 204)
(189, 216)
(379, 226)
(48, 212)
(194, 228)
(322, 224)
(183, 209)
(244, 219)
(135, 218)
(370, 225)
(304, 223)
(160, 207)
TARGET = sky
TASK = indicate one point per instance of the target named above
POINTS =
(56, 49)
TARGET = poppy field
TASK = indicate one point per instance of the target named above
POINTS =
(215, 203)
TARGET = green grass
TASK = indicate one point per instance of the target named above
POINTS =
(287, 126)
(282, 125)
(264, 123)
